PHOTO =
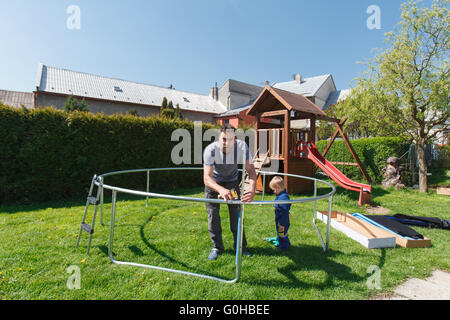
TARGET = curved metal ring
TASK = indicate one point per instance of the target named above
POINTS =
(98, 180)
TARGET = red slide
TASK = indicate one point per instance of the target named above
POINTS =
(308, 150)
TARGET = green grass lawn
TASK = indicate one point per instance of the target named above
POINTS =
(37, 245)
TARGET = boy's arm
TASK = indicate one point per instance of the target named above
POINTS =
(283, 206)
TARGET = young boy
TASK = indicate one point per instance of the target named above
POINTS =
(282, 215)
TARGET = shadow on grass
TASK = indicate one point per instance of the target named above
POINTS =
(305, 258)
(139, 253)
(12, 208)
(439, 177)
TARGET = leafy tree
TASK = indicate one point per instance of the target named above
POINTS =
(164, 103)
(133, 112)
(73, 104)
(178, 114)
(406, 88)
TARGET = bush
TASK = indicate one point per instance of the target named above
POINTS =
(48, 154)
(373, 153)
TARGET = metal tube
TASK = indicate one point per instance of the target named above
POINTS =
(264, 186)
(85, 211)
(111, 226)
(240, 224)
(314, 202)
(101, 202)
(330, 200)
(93, 221)
(147, 194)
(148, 186)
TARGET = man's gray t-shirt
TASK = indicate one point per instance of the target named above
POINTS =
(225, 165)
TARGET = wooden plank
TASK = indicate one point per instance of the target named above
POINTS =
(366, 234)
(443, 191)
(406, 243)
(269, 114)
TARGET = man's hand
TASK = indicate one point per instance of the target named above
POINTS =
(248, 196)
(225, 194)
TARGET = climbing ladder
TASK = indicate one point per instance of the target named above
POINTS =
(91, 200)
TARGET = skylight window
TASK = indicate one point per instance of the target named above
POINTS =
(118, 89)
(186, 99)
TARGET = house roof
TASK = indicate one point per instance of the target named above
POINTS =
(308, 87)
(63, 81)
(272, 99)
(16, 98)
(235, 111)
(335, 97)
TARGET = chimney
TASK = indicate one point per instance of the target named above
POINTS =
(266, 84)
(214, 92)
(298, 78)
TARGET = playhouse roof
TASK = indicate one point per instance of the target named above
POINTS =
(273, 99)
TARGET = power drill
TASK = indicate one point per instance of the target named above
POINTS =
(234, 195)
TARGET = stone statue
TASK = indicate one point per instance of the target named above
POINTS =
(392, 174)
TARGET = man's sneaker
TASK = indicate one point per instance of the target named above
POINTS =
(214, 254)
(246, 253)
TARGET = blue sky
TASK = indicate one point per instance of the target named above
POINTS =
(191, 44)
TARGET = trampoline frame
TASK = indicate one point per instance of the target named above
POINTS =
(99, 182)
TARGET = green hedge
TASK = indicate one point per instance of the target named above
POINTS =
(373, 153)
(48, 154)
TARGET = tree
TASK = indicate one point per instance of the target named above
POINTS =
(178, 114)
(167, 109)
(406, 87)
(73, 104)
(164, 103)
(133, 112)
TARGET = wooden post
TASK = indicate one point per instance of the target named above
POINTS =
(355, 156)
(257, 146)
(336, 132)
(285, 151)
(312, 129)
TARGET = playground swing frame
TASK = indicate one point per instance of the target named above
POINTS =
(99, 182)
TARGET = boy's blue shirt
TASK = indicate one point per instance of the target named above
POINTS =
(282, 208)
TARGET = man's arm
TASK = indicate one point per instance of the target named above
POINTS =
(250, 193)
(210, 183)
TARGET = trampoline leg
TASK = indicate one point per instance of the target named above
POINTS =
(148, 186)
(93, 221)
(101, 203)
(330, 200)
(239, 243)
(111, 225)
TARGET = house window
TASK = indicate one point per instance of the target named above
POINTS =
(226, 121)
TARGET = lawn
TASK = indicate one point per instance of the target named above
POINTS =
(37, 246)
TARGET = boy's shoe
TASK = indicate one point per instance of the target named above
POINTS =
(274, 241)
(214, 254)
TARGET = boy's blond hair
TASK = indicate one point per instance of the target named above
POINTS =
(277, 182)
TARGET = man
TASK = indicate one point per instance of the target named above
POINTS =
(221, 176)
